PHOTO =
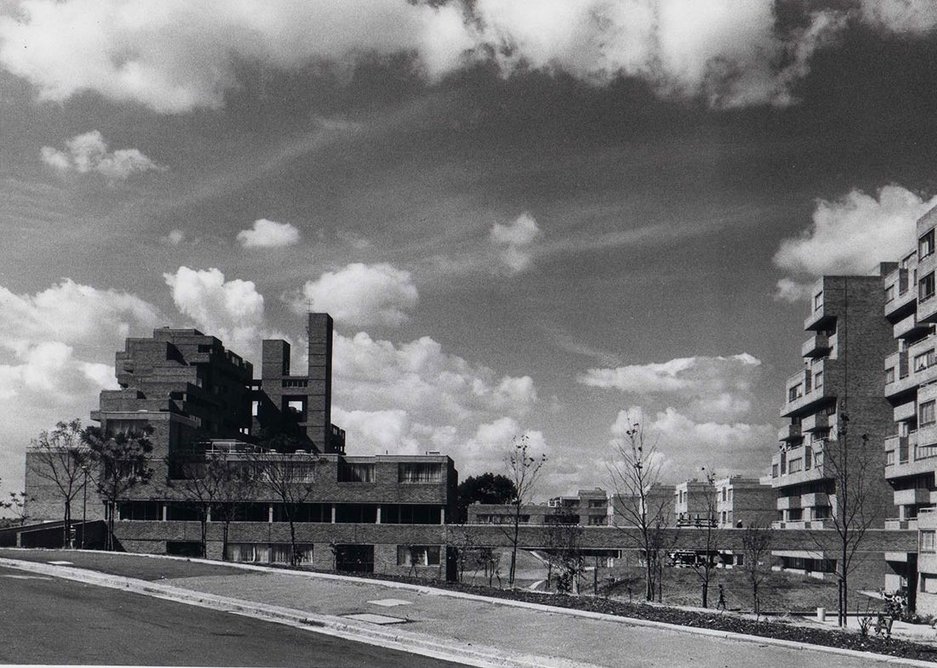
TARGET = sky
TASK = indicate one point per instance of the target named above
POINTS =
(551, 218)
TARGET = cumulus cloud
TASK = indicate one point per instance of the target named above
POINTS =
(686, 445)
(181, 55)
(900, 16)
(414, 397)
(88, 153)
(514, 240)
(268, 234)
(715, 386)
(231, 310)
(56, 354)
(174, 237)
(184, 56)
(851, 236)
(362, 294)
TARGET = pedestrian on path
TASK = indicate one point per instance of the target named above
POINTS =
(721, 604)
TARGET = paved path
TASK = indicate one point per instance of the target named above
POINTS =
(46, 620)
(495, 632)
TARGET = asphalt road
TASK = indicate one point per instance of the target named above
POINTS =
(52, 621)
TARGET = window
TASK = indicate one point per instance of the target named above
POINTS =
(255, 408)
(795, 465)
(926, 413)
(821, 513)
(419, 473)
(890, 458)
(926, 287)
(924, 360)
(407, 513)
(795, 393)
(295, 406)
(267, 553)
(890, 376)
(818, 301)
(927, 541)
(818, 380)
(723, 494)
(889, 293)
(355, 472)
(925, 244)
(597, 520)
(140, 510)
(355, 513)
(417, 555)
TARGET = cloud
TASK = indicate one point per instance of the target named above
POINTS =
(88, 153)
(174, 237)
(713, 386)
(185, 56)
(268, 234)
(415, 397)
(361, 294)
(513, 241)
(687, 445)
(851, 236)
(56, 354)
(231, 310)
(900, 16)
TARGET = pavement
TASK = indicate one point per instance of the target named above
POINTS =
(452, 626)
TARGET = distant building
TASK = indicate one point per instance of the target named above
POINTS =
(589, 505)
(659, 500)
(588, 508)
(742, 502)
(694, 503)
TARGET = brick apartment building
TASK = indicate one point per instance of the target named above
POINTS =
(659, 499)
(588, 508)
(910, 387)
(694, 503)
(742, 502)
(384, 513)
(848, 338)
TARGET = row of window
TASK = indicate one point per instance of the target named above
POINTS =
(344, 513)
(279, 553)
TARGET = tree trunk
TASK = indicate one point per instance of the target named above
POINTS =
(517, 531)
(67, 525)
(203, 522)
(293, 561)
(224, 540)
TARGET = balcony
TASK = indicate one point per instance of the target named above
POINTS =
(790, 432)
(901, 379)
(909, 328)
(904, 412)
(803, 396)
(788, 502)
(912, 497)
(900, 284)
(817, 345)
(803, 524)
(815, 500)
(816, 422)
(901, 525)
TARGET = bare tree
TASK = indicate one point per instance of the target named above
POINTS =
(290, 478)
(212, 482)
(524, 470)
(635, 471)
(848, 462)
(60, 457)
(756, 548)
(564, 542)
(704, 569)
(119, 463)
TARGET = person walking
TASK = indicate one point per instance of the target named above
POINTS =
(721, 604)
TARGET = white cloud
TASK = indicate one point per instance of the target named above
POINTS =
(687, 445)
(88, 153)
(851, 236)
(713, 386)
(174, 237)
(231, 310)
(900, 16)
(182, 55)
(56, 354)
(415, 397)
(179, 55)
(361, 294)
(268, 234)
(514, 240)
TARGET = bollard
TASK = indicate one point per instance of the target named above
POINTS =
(821, 614)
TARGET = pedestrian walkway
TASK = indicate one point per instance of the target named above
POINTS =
(465, 628)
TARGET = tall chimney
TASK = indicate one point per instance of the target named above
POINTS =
(319, 390)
